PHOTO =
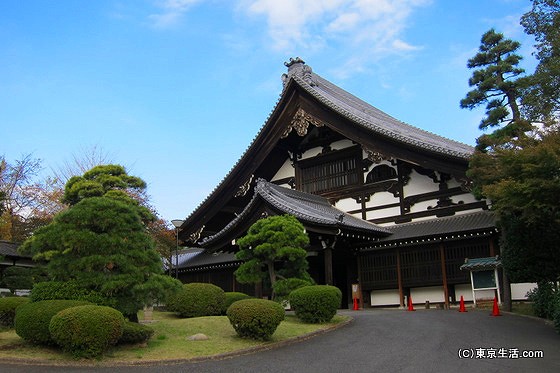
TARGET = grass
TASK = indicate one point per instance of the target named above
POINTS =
(169, 341)
(520, 308)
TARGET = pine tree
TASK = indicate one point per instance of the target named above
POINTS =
(101, 242)
(273, 249)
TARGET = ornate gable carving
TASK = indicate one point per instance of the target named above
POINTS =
(195, 236)
(300, 123)
(243, 189)
(375, 156)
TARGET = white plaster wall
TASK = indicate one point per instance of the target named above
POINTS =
(376, 214)
(385, 297)
(466, 198)
(465, 290)
(484, 294)
(312, 152)
(347, 204)
(432, 293)
(423, 206)
(419, 184)
(285, 171)
(519, 291)
(341, 144)
(381, 198)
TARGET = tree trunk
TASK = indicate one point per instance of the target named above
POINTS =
(272, 275)
(507, 292)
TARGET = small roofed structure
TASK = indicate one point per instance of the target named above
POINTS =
(484, 277)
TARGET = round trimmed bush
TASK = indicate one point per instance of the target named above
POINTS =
(232, 297)
(135, 333)
(87, 331)
(8, 309)
(315, 304)
(32, 319)
(255, 318)
(197, 300)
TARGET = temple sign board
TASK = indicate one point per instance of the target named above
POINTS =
(484, 275)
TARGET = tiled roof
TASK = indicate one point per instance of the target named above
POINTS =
(10, 249)
(481, 263)
(357, 111)
(370, 117)
(312, 208)
(474, 224)
(205, 258)
(308, 208)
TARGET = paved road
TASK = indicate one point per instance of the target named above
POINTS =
(389, 341)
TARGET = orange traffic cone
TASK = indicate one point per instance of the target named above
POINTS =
(462, 305)
(496, 309)
(356, 307)
(410, 305)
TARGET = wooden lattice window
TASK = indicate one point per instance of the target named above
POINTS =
(330, 172)
(381, 173)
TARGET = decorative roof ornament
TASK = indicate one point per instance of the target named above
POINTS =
(375, 156)
(300, 122)
(297, 67)
(195, 236)
(243, 189)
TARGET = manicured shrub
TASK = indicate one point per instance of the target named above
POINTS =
(255, 318)
(543, 300)
(315, 304)
(32, 319)
(8, 309)
(232, 297)
(87, 331)
(135, 333)
(197, 300)
(283, 288)
(556, 315)
(49, 290)
(16, 277)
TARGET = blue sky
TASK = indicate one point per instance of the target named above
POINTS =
(175, 90)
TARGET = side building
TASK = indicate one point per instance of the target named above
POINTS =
(386, 205)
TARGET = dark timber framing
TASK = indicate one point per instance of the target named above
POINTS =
(428, 232)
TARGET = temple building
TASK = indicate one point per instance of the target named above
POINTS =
(386, 205)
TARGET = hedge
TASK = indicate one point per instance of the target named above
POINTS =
(197, 300)
(8, 309)
(135, 333)
(315, 304)
(232, 297)
(50, 290)
(87, 331)
(32, 319)
(255, 318)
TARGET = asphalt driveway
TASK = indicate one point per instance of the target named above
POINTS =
(391, 341)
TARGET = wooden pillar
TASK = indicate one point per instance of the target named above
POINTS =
(360, 281)
(328, 266)
(399, 279)
(444, 275)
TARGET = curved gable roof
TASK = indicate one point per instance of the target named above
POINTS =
(369, 116)
(345, 104)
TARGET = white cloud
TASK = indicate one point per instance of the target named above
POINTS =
(171, 12)
(369, 29)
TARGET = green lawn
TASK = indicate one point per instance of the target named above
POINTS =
(169, 341)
